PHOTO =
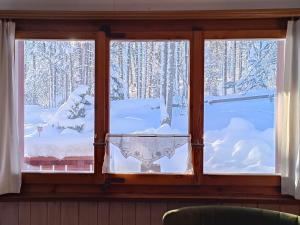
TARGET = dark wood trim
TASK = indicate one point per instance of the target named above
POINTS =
(158, 35)
(21, 77)
(154, 179)
(101, 100)
(154, 185)
(242, 34)
(151, 15)
(242, 180)
(197, 102)
(124, 191)
(85, 28)
(148, 35)
(55, 35)
(208, 180)
(59, 178)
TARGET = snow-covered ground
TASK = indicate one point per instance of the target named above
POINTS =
(143, 116)
(239, 135)
(52, 141)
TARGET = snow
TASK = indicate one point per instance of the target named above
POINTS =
(239, 135)
(259, 112)
(163, 129)
(52, 141)
(80, 90)
(239, 148)
(59, 145)
(72, 113)
(143, 116)
(65, 131)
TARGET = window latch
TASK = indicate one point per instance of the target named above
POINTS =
(107, 30)
(197, 145)
(99, 144)
(109, 181)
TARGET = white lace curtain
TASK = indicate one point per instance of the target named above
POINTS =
(123, 151)
(288, 115)
(10, 173)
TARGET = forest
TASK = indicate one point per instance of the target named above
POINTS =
(147, 69)
(53, 69)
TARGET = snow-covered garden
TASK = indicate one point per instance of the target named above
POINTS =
(149, 95)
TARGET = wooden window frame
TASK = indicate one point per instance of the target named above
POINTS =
(72, 177)
(190, 183)
(258, 180)
(164, 179)
(196, 110)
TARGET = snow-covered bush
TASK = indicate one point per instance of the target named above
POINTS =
(72, 113)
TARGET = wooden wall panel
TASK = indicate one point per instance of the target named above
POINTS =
(24, 213)
(69, 213)
(142, 212)
(88, 213)
(103, 213)
(9, 213)
(129, 213)
(115, 212)
(38, 213)
(54, 213)
(157, 212)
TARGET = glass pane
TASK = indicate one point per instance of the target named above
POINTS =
(59, 89)
(240, 97)
(149, 83)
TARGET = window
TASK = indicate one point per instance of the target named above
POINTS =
(239, 105)
(159, 110)
(59, 90)
(149, 107)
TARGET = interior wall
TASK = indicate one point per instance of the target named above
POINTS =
(129, 212)
(107, 212)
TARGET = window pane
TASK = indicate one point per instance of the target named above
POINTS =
(149, 83)
(58, 105)
(240, 96)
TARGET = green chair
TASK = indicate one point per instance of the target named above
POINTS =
(226, 215)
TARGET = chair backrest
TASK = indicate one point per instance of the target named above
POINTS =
(226, 215)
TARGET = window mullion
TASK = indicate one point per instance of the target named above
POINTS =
(196, 103)
(101, 101)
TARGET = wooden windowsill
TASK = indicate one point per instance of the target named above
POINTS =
(140, 193)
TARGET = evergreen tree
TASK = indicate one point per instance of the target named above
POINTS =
(72, 113)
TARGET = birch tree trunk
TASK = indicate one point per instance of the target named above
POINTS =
(163, 84)
(225, 69)
(170, 83)
(234, 65)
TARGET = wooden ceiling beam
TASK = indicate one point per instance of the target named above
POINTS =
(151, 15)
